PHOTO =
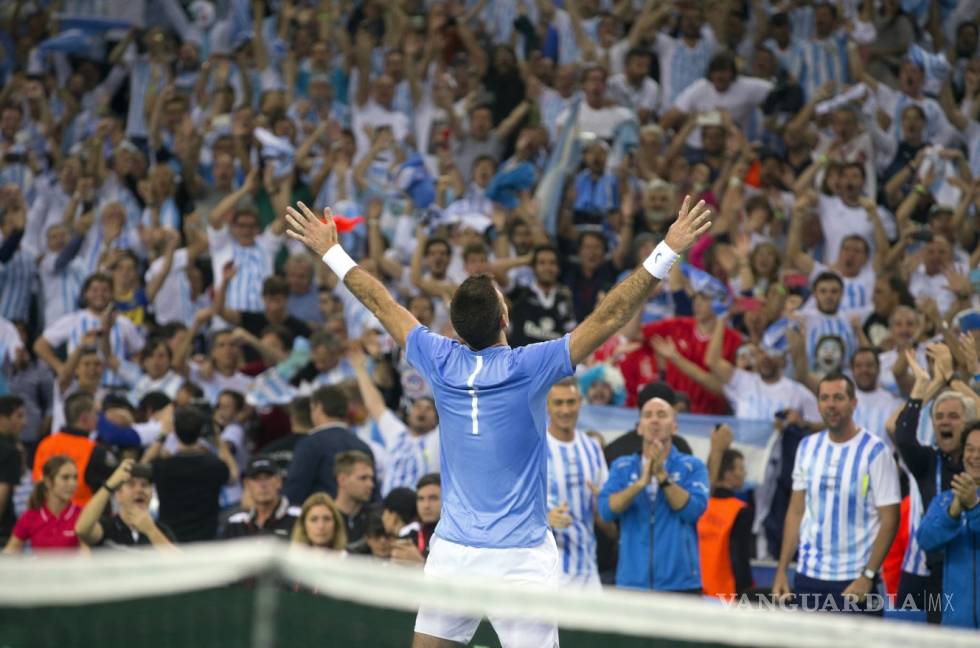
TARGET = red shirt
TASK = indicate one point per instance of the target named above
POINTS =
(640, 367)
(45, 530)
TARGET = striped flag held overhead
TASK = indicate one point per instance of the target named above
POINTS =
(563, 160)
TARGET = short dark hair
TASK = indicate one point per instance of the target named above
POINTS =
(153, 402)
(866, 349)
(325, 338)
(835, 377)
(235, 396)
(280, 331)
(189, 424)
(857, 237)
(827, 275)
(474, 248)
(275, 285)
(332, 401)
(475, 312)
(299, 409)
(538, 249)
(721, 62)
(436, 241)
(728, 458)
(431, 479)
(344, 462)
(95, 278)
(10, 404)
(637, 52)
(597, 235)
(76, 405)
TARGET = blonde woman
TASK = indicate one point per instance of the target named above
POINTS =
(320, 524)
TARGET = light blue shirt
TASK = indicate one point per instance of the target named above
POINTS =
(492, 421)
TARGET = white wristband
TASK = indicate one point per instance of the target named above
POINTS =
(660, 260)
(339, 261)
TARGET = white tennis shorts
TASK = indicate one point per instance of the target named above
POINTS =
(449, 561)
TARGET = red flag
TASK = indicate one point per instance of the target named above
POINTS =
(345, 224)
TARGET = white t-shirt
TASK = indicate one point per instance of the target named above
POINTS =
(935, 286)
(173, 301)
(602, 122)
(753, 398)
(838, 221)
(646, 97)
(370, 116)
(218, 383)
(743, 96)
(124, 338)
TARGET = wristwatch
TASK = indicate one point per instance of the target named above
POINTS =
(665, 482)
(870, 574)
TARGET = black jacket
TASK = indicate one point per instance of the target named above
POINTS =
(311, 469)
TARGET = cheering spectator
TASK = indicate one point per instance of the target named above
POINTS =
(412, 449)
(661, 494)
(400, 518)
(132, 485)
(951, 525)
(49, 522)
(270, 513)
(320, 524)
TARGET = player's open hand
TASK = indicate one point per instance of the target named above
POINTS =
(691, 223)
(318, 234)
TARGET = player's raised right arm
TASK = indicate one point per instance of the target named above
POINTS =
(320, 235)
(628, 296)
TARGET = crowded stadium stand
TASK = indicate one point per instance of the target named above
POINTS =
(209, 437)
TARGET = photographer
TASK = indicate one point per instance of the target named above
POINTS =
(189, 482)
(132, 484)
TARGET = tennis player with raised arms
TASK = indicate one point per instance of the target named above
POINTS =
(491, 401)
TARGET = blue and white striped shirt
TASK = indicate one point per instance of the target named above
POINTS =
(410, 457)
(845, 484)
(61, 288)
(253, 265)
(17, 278)
(680, 65)
(571, 467)
(874, 408)
(821, 325)
(857, 292)
(824, 60)
(914, 561)
(124, 338)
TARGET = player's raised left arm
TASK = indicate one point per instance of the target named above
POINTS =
(628, 296)
(320, 235)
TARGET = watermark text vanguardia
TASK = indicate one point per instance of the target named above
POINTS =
(942, 602)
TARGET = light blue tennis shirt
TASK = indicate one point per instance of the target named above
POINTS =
(492, 421)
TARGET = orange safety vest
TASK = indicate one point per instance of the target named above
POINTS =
(78, 448)
(714, 539)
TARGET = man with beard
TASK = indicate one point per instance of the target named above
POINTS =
(931, 468)
(763, 394)
(823, 319)
(875, 405)
(543, 310)
(836, 571)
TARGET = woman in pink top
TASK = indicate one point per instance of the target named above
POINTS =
(49, 523)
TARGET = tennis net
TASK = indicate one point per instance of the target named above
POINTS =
(268, 595)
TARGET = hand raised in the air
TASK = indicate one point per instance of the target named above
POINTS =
(691, 223)
(318, 234)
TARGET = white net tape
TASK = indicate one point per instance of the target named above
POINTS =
(107, 576)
